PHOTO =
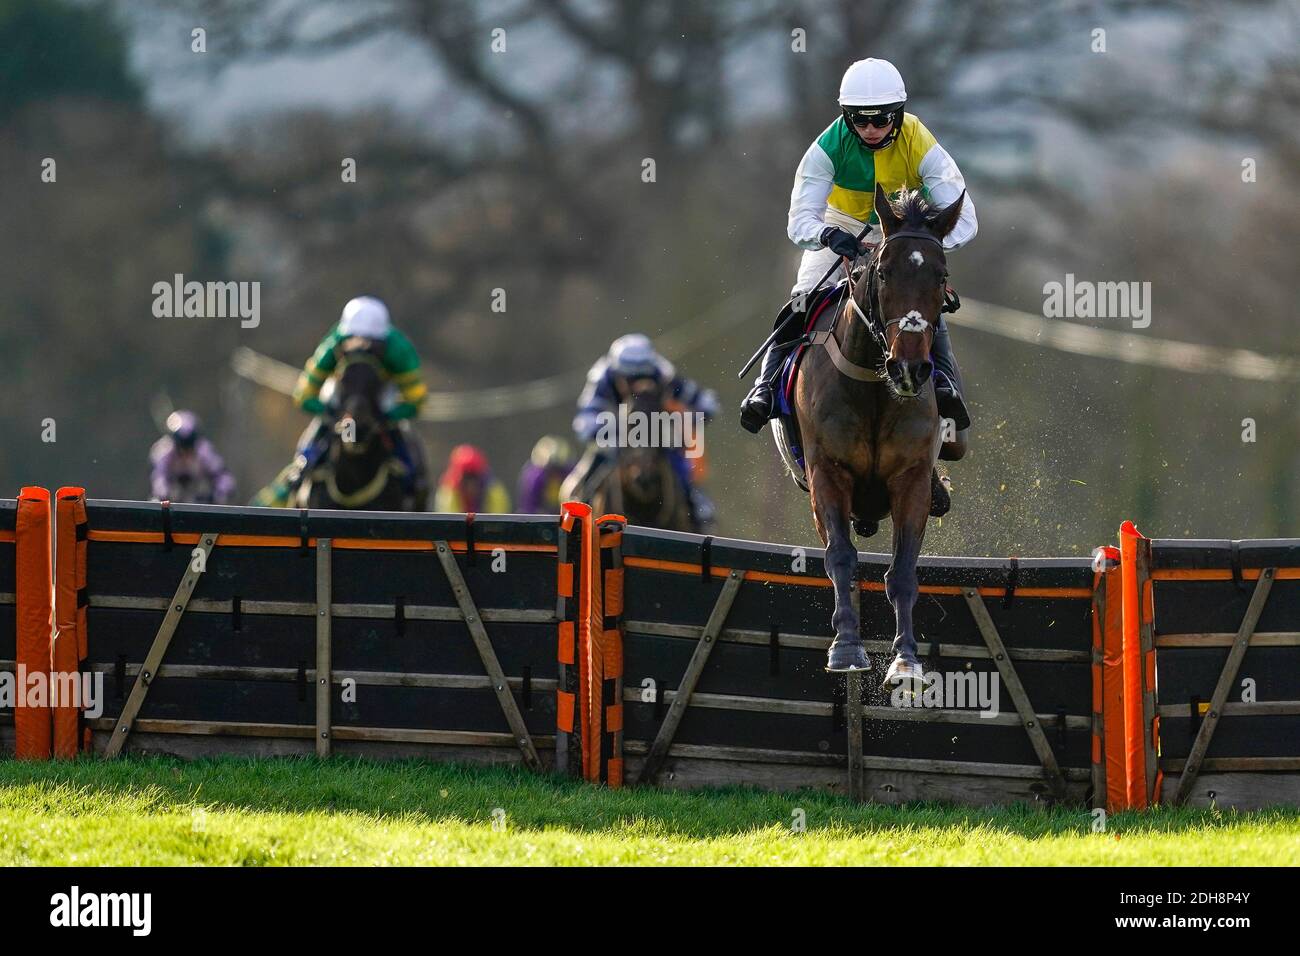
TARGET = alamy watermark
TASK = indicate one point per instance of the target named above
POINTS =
(76, 908)
(179, 299)
(23, 688)
(1084, 299)
(953, 690)
(628, 428)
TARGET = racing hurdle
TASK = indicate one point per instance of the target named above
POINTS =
(720, 674)
(630, 657)
(1219, 622)
(264, 632)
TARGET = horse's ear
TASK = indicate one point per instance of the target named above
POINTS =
(946, 220)
(889, 220)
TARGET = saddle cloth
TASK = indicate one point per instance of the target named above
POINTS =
(821, 316)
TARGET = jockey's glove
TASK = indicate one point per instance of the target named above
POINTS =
(951, 300)
(840, 242)
(586, 424)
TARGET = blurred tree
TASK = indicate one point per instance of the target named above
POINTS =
(522, 172)
(53, 47)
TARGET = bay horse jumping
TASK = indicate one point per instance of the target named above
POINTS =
(870, 445)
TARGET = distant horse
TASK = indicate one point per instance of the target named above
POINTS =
(871, 434)
(191, 488)
(358, 471)
(637, 482)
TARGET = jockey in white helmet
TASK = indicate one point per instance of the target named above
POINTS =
(364, 317)
(631, 357)
(873, 141)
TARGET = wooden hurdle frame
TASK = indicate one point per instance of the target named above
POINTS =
(1127, 647)
(171, 735)
(1046, 781)
(1204, 778)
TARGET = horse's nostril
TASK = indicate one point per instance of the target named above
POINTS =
(923, 373)
(894, 369)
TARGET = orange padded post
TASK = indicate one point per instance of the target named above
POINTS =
(591, 646)
(1136, 604)
(570, 590)
(69, 648)
(1109, 746)
(32, 724)
(610, 568)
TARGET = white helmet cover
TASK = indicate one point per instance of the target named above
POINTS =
(872, 82)
(633, 355)
(365, 316)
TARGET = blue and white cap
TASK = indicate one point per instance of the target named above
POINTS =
(633, 356)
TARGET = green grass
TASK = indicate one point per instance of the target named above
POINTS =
(157, 811)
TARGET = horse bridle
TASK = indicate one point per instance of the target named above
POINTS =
(365, 357)
(871, 318)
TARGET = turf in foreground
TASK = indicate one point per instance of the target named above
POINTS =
(157, 811)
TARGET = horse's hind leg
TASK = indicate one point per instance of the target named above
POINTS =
(831, 501)
(909, 497)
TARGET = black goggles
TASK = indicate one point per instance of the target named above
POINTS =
(870, 116)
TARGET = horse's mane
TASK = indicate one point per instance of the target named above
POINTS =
(357, 345)
(915, 211)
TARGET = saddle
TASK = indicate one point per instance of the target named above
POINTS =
(407, 459)
(822, 310)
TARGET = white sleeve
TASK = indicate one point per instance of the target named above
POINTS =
(812, 186)
(945, 182)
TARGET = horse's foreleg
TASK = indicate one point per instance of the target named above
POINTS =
(831, 501)
(909, 498)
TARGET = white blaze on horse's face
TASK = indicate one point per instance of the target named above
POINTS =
(917, 259)
(912, 322)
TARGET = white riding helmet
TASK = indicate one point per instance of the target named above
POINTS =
(872, 94)
(872, 82)
(632, 356)
(367, 317)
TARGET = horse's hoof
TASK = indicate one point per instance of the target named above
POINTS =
(866, 529)
(940, 494)
(907, 674)
(847, 656)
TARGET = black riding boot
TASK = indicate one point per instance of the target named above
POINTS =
(947, 379)
(759, 406)
(415, 483)
(947, 393)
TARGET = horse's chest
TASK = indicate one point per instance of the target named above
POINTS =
(869, 430)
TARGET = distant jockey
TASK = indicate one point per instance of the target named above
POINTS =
(540, 478)
(469, 486)
(184, 465)
(365, 317)
(631, 357)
